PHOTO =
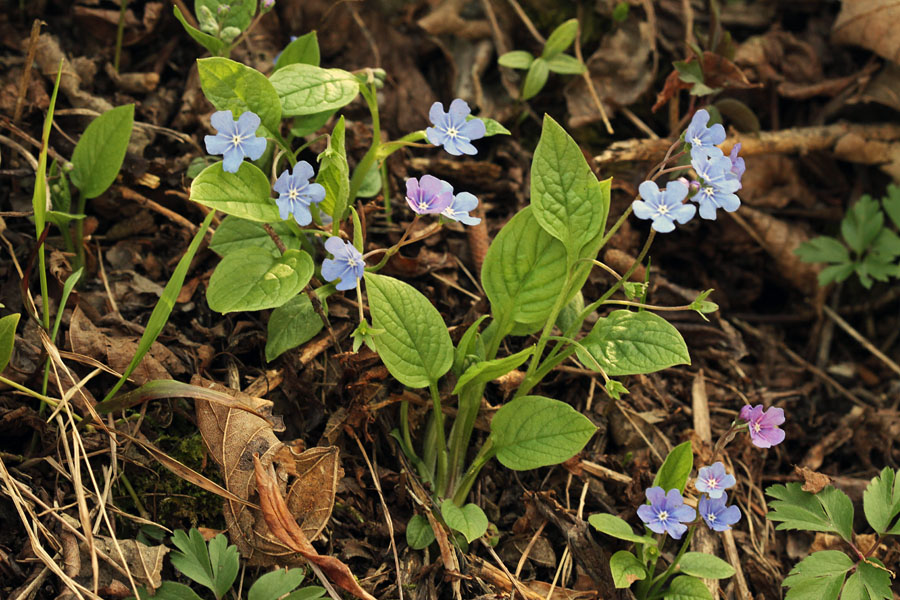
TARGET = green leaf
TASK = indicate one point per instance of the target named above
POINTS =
(193, 558)
(253, 279)
(887, 243)
(823, 249)
(225, 564)
(99, 153)
(676, 468)
(169, 590)
(836, 273)
(631, 343)
(568, 200)
(8, 326)
(524, 270)
(418, 533)
(819, 576)
(535, 78)
(891, 203)
(881, 500)
(235, 233)
(371, 184)
(566, 65)
(491, 127)
(307, 124)
(275, 584)
(415, 346)
(684, 587)
(618, 528)
(469, 520)
(877, 582)
(620, 12)
(535, 431)
(303, 50)
(561, 38)
(310, 592)
(626, 569)
(689, 72)
(862, 224)
(245, 194)
(705, 566)
(830, 510)
(467, 350)
(229, 85)
(307, 89)
(215, 46)
(239, 13)
(739, 115)
(517, 59)
(334, 174)
(488, 370)
(291, 324)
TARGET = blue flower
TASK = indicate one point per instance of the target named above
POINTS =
(703, 140)
(347, 266)
(459, 209)
(296, 193)
(718, 186)
(235, 140)
(429, 195)
(451, 129)
(737, 163)
(718, 516)
(714, 480)
(665, 206)
(666, 512)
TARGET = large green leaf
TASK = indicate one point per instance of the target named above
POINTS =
(819, 576)
(469, 520)
(229, 85)
(626, 569)
(275, 584)
(881, 500)
(674, 472)
(830, 510)
(307, 89)
(707, 566)
(305, 50)
(235, 233)
(524, 270)
(618, 528)
(253, 279)
(685, 587)
(244, 194)
(7, 338)
(535, 431)
(99, 153)
(292, 324)
(415, 345)
(568, 201)
(631, 343)
(169, 590)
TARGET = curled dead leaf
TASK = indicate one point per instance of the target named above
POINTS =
(870, 24)
(813, 481)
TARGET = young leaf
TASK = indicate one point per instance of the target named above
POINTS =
(415, 346)
(618, 528)
(487, 370)
(881, 500)
(567, 199)
(534, 431)
(468, 347)
(819, 576)
(235, 233)
(830, 510)
(293, 323)
(215, 46)
(303, 50)
(566, 65)
(823, 249)
(517, 59)
(469, 520)
(307, 89)
(684, 587)
(676, 468)
(237, 13)
(99, 153)
(334, 174)
(418, 533)
(631, 343)
(535, 78)
(491, 127)
(245, 194)
(705, 566)
(862, 224)
(8, 326)
(229, 85)
(626, 569)
(275, 584)
(836, 273)
(225, 564)
(561, 38)
(253, 279)
(193, 558)
(310, 592)
(169, 590)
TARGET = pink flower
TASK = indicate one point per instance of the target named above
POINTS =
(763, 425)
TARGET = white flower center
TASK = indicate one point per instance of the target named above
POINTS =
(697, 141)
(662, 210)
(293, 193)
(663, 516)
(236, 140)
(711, 517)
(712, 482)
(452, 132)
(709, 191)
(352, 261)
(423, 205)
(756, 427)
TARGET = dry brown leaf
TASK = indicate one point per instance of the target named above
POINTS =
(144, 562)
(871, 24)
(813, 481)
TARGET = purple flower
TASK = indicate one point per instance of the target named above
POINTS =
(666, 512)
(459, 209)
(737, 163)
(296, 193)
(763, 425)
(268, 4)
(703, 140)
(718, 516)
(429, 195)
(714, 480)
(718, 186)
(347, 266)
(665, 206)
(451, 129)
(235, 140)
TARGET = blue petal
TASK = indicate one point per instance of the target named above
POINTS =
(708, 210)
(642, 210)
(676, 530)
(435, 136)
(649, 191)
(473, 129)
(336, 246)
(436, 113)
(332, 269)
(451, 146)
(465, 147)
(655, 495)
(315, 193)
(254, 147)
(284, 207)
(233, 159)
(458, 112)
(348, 280)
(303, 172)
(663, 224)
(223, 121)
(248, 123)
(216, 144)
(684, 213)
(282, 184)
(301, 214)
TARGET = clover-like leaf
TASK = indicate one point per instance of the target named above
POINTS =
(881, 500)
(819, 576)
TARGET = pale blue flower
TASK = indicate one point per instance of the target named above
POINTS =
(714, 480)
(451, 129)
(663, 207)
(296, 193)
(703, 139)
(429, 195)
(666, 512)
(346, 267)
(459, 209)
(737, 163)
(717, 515)
(717, 186)
(235, 139)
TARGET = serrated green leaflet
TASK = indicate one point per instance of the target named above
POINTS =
(881, 500)
(213, 44)
(292, 324)
(524, 270)
(823, 249)
(830, 510)
(418, 533)
(99, 153)
(275, 584)
(253, 279)
(235, 233)
(469, 520)
(567, 199)
(215, 568)
(229, 85)
(626, 569)
(535, 431)
(819, 576)
(307, 89)
(304, 50)
(704, 565)
(415, 345)
(631, 343)
(674, 472)
(618, 528)
(244, 194)
(486, 370)
(684, 587)
(334, 174)
(7, 338)
(862, 223)
(169, 590)
(876, 581)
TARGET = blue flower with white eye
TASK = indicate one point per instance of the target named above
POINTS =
(296, 193)
(714, 480)
(666, 512)
(717, 186)
(235, 139)
(346, 267)
(428, 195)
(463, 203)
(717, 515)
(703, 139)
(452, 130)
(663, 207)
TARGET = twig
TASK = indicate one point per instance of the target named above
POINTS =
(130, 194)
(588, 80)
(528, 24)
(26, 72)
(860, 338)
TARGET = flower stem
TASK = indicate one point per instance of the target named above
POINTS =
(660, 580)
(441, 479)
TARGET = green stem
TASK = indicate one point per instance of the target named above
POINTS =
(142, 510)
(386, 192)
(81, 204)
(660, 580)
(32, 393)
(441, 479)
(468, 480)
(365, 165)
(119, 33)
(468, 404)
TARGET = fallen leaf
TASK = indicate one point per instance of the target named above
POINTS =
(870, 24)
(813, 481)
